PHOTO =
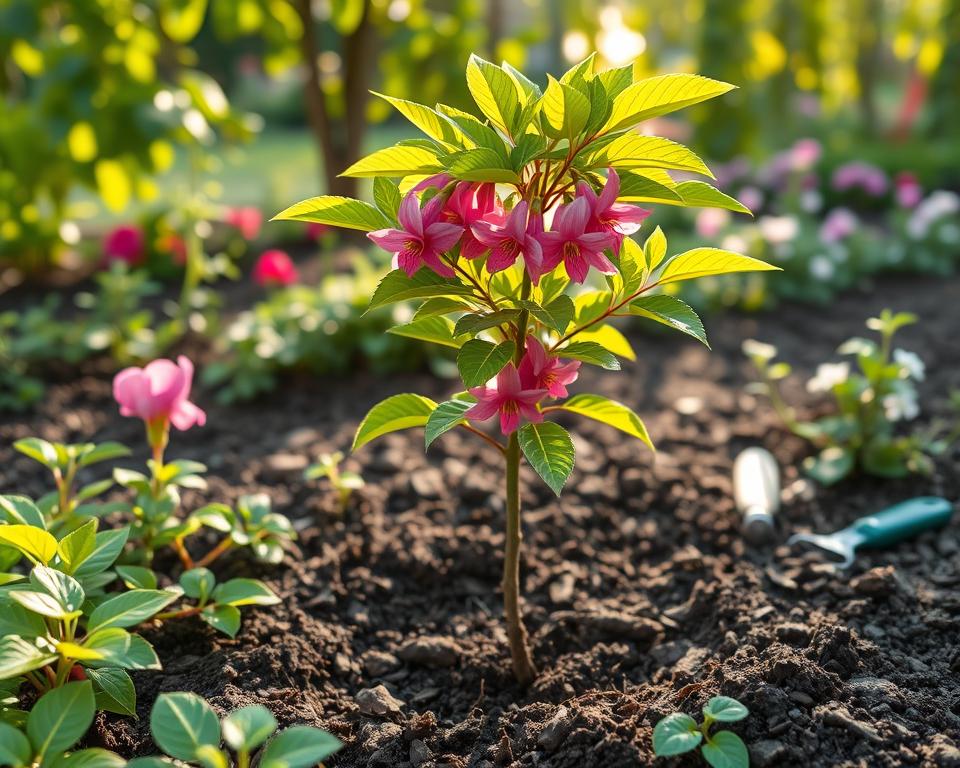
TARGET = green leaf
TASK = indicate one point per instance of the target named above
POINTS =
(38, 545)
(181, 19)
(725, 750)
(672, 312)
(396, 286)
(396, 162)
(103, 452)
(426, 119)
(109, 545)
(94, 489)
(655, 96)
(566, 110)
(61, 717)
(129, 608)
(703, 262)
(830, 466)
(590, 352)
(95, 757)
(495, 92)
(64, 590)
(393, 414)
(639, 188)
(337, 212)
(299, 747)
(610, 412)
(15, 749)
(445, 417)
(114, 690)
(549, 450)
(610, 339)
(473, 322)
(39, 450)
(556, 315)
(19, 510)
(699, 194)
(239, 592)
(137, 577)
(78, 545)
(723, 709)
(615, 81)
(481, 164)
(436, 330)
(182, 723)
(17, 620)
(152, 762)
(479, 361)
(633, 150)
(655, 249)
(248, 728)
(198, 583)
(386, 196)
(19, 656)
(439, 306)
(223, 618)
(676, 734)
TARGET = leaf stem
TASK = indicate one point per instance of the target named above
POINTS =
(611, 310)
(485, 436)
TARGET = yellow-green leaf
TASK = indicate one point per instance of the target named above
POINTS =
(113, 183)
(635, 151)
(436, 329)
(390, 415)
(610, 412)
(35, 543)
(426, 119)
(181, 19)
(495, 92)
(566, 109)
(702, 262)
(337, 212)
(610, 339)
(396, 161)
(657, 96)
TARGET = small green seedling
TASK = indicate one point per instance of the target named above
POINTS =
(56, 723)
(679, 733)
(253, 524)
(343, 482)
(187, 729)
(67, 505)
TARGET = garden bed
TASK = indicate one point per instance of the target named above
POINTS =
(641, 596)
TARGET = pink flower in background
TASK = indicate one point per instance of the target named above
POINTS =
(752, 197)
(609, 216)
(858, 175)
(247, 220)
(838, 225)
(124, 243)
(508, 398)
(159, 394)
(509, 238)
(711, 221)
(908, 191)
(316, 230)
(540, 370)
(274, 268)
(468, 205)
(570, 242)
(805, 154)
(422, 239)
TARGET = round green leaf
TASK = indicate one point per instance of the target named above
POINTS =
(182, 723)
(60, 718)
(198, 583)
(726, 750)
(676, 734)
(14, 747)
(248, 728)
(92, 758)
(723, 709)
(223, 618)
(299, 747)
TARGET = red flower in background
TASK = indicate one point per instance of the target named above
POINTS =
(316, 230)
(124, 243)
(275, 268)
(247, 220)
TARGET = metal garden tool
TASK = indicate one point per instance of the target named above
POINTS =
(892, 525)
(756, 490)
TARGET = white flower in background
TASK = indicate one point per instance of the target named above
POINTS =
(821, 267)
(754, 348)
(733, 242)
(811, 200)
(911, 363)
(828, 376)
(936, 206)
(901, 406)
(778, 229)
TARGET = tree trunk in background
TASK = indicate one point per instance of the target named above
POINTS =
(358, 55)
(869, 52)
(494, 27)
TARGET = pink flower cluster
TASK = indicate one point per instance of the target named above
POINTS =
(858, 175)
(516, 392)
(471, 215)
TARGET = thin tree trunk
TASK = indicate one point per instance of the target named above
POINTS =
(358, 52)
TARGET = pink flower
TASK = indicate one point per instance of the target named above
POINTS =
(539, 370)
(570, 242)
(710, 221)
(437, 181)
(158, 394)
(509, 399)
(869, 178)
(805, 154)
(468, 205)
(908, 190)
(422, 239)
(838, 225)
(509, 238)
(609, 216)
(124, 243)
(247, 220)
(274, 268)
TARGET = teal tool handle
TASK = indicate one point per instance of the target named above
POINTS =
(901, 521)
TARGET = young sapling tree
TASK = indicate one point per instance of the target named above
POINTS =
(498, 227)
(344, 482)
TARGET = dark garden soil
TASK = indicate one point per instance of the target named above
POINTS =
(641, 596)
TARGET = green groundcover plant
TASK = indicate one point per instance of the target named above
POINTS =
(678, 733)
(496, 226)
(872, 401)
